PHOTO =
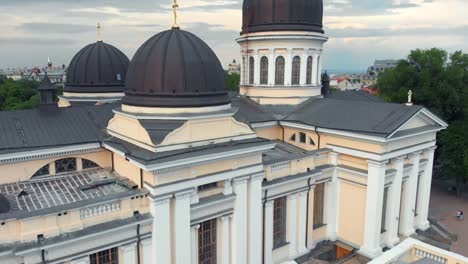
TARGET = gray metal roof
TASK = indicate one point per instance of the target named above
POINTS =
(285, 152)
(66, 191)
(375, 118)
(159, 129)
(353, 95)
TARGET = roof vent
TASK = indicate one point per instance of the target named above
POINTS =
(4, 204)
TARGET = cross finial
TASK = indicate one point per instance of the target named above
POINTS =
(410, 96)
(99, 31)
(175, 6)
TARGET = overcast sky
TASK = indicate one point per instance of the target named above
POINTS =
(360, 31)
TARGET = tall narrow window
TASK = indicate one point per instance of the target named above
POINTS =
(279, 71)
(319, 195)
(384, 211)
(296, 71)
(264, 70)
(279, 222)
(207, 242)
(108, 256)
(309, 70)
(251, 70)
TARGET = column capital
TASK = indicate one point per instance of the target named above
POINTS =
(240, 180)
(146, 242)
(375, 163)
(430, 149)
(129, 247)
(303, 193)
(415, 154)
(269, 203)
(292, 196)
(258, 176)
(184, 193)
(399, 159)
(226, 218)
(195, 227)
(161, 199)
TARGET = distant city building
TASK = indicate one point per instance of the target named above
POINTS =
(14, 74)
(380, 66)
(234, 67)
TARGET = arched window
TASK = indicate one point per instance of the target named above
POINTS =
(42, 171)
(251, 70)
(87, 164)
(296, 71)
(65, 165)
(309, 70)
(279, 71)
(264, 70)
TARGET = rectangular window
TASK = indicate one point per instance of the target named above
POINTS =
(207, 242)
(108, 256)
(384, 211)
(279, 222)
(302, 137)
(208, 186)
(319, 197)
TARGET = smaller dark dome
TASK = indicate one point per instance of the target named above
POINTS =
(97, 68)
(175, 68)
(282, 15)
(4, 204)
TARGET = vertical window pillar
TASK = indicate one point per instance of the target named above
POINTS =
(255, 218)
(225, 251)
(147, 251)
(193, 243)
(424, 192)
(239, 229)
(161, 233)
(182, 227)
(268, 250)
(291, 223)
(129, 253)
(374, 203)
(333, 198)
(314, 69)
(257, 68)
(288, 68)
(271, 68)
(319, 70)
(394, 204)
(408, 199)
(84, 260)
(301, 223)
(303, 75)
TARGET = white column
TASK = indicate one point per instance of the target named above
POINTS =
(424, 193)
(374, 202)
(84, 260)
(333, 201)
(194, 243)
(255, 218)
(271, 68)
(239, 228)
(319, 73)
(147, 249)
(225, 251)
(129, 254)
(303, 75)
(288, 68)
(393, 203)
(268, 250)
(242, 69)
(408, 199)
(256, 68)
(161, 234)
(182, 227)
(314, 69)
(301, 223)
(292, 224)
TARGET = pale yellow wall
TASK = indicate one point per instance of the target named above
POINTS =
(294, 167)
(353, 161)
(23, 171)
(352, 212)
(349, 143)
(271, 133)
(127, 170)
(53, 225)
(129, 128)
(288, 132)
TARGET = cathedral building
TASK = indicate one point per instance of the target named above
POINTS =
(152, 161)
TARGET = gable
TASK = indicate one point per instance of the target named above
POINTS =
(422, 121)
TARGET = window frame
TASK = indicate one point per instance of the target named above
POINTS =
(309, 66)
(264, 63)
(319, 205)
(302, 137)
(251, 70)
(279, 222)
(280, 65)
(207, 242)
(97, 257)
(296, 71)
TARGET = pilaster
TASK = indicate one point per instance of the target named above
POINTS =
(194, 243)
(424, 193)
(182, 227)
(408, 199)
(302, 79)
(161, 233)
(292, 224)
(255, 218)
(239, 228)
(225, 251)
(271, 68)
(288, 68)
(129, 254)
(333, 200)
(146, 247)
(268, 250)
(314, 69)
(374, 202)
(256, 68)
(393, 217)
(302, 223)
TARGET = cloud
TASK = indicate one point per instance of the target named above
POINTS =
(55, 28)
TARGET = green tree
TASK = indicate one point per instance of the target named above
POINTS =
(439, 81)
(233, 81)
(15, 95)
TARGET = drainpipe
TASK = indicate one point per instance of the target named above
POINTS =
(318, 135)
(307, 212)
(263, 228)
(43, 256)
(282, 128)
(138, 244)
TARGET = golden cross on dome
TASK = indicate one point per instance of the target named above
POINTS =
(175, 6)
(99, 32)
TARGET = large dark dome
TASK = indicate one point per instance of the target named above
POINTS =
(175, 69)
(282, 15)
(97, 68)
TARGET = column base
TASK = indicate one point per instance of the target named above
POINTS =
(408, 233)
(423, 226)
(392, 242)
(370, 253)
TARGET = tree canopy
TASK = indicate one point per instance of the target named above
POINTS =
(233, 81)
(439, 81)
(16, 95)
